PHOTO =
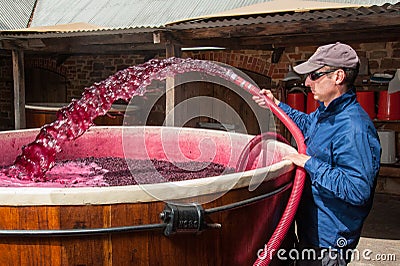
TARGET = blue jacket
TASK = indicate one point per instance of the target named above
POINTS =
(345, 159)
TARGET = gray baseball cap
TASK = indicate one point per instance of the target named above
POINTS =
(336, 55)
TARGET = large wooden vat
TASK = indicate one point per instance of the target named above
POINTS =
(244, 230)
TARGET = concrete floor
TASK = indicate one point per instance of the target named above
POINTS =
(380, 239)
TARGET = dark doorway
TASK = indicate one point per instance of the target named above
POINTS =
(44, 86)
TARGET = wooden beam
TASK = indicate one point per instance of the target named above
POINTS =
(229, 43)
(303, 36)
(115, 43)
(357, 23)
(171, 50)
(389, 171)
(71, 47)
(264, 42)
(369, 28)
(19, 88)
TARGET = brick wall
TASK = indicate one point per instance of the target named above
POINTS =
(381, 57)
(256, 61)
(83, 71)
(45, 63)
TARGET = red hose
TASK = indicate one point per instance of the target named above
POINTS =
(253, 148)
(288, 215)
(287, 218)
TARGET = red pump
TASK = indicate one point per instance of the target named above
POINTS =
(287, 218)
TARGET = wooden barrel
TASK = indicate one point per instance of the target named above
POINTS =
(244, 229)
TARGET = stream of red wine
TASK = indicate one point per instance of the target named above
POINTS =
(73, 120)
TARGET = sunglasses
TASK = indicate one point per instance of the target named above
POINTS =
(316, 75)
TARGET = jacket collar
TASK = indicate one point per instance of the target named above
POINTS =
(338, 104)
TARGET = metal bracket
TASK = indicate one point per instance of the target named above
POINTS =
(183, 218)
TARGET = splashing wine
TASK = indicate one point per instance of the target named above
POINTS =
(73, 120)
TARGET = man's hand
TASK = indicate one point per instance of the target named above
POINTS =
(261, 101)
(297, 159)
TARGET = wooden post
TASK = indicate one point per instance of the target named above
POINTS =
(19, 89)
(172, 50)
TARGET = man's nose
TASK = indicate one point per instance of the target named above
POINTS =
(308, 81)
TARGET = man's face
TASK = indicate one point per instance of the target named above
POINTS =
(324, 84)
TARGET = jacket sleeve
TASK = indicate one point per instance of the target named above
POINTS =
(351, 177)
(302, 120)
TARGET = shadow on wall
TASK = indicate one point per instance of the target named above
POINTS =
(383, 221)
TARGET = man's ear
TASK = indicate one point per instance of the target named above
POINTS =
(340, 76)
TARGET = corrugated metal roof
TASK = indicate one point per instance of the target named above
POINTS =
(79, 26)
(149, 15)
(121, 14)
(287, 17)
(69, 30)
(276, 6)
(362, 2)
(15, 14)
(128, 13)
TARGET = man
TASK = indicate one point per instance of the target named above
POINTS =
(342, 160)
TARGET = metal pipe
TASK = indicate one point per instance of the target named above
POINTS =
(80, 231)
(248, 201)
